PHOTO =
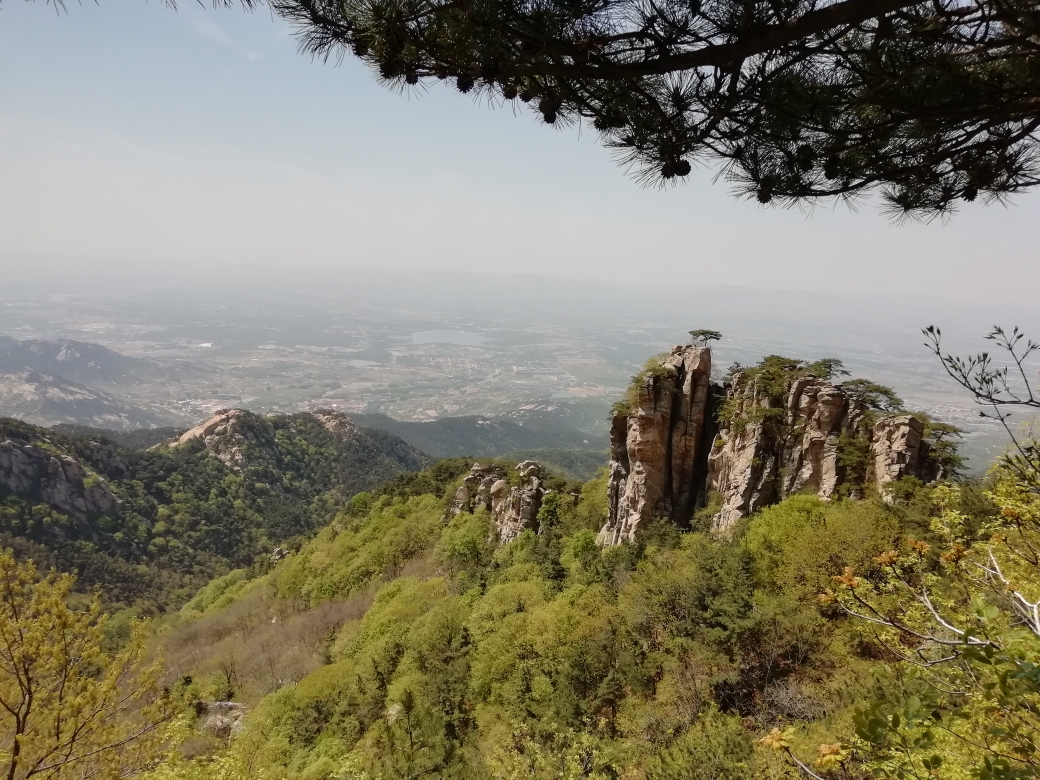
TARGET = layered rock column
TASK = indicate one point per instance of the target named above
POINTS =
(896, 448)
(656, 447)
(818, 413)
(776, 455)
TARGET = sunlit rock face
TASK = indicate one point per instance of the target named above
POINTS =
(776, 451)
(668, 454)
(56, 479)
(898, 451)
(659, 446)
(228, 433)
(513, 508)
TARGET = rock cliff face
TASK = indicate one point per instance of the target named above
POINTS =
(658, 447)
(512, 508)
(59, 480)
(775, 441)
(897, 450)
(773, 451)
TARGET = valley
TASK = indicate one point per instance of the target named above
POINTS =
(502, 354)
(332, 603)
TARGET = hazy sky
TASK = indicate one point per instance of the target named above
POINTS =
(197, 138)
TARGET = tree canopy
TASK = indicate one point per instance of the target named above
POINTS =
(925, 103)
(68, 709)
(702, 336)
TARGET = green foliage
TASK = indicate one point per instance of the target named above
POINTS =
(701, 591)
(137, 439)
(703, 336)
(477, 436)
(653, 368)
(826, 369)
(347, 555)
(872, 395)
(854, 460)
(825, 121)
(465, 545)
(958, 608)
(771, 379)
(434, 480)
(186, 517)
(943, 442)
(218, 592)
(552, 658)
(799, 545)
(573, 464)
(716, 748)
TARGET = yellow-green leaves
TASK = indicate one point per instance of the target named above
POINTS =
(68, 709)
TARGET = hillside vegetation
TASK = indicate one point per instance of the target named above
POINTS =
(400, 644)
(427, 627)
(158, 524)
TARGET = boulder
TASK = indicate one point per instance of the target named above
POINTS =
(223, 718)
(512, 508)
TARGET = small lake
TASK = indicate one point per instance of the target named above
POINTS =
(460, 337)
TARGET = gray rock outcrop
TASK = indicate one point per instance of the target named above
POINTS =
(805, 435)
(58, 480)
(775, 451)
(658, 446)
(224, 436)
(336, 423)
(896, 449)
(223, 718)
(512, 508)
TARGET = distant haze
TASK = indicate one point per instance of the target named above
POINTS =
(281, 233)
(185, 143)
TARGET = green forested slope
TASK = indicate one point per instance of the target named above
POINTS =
(182, 516)
(399, 644)
(137, 439)
(478, 436)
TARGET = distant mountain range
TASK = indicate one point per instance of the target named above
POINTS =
(76, 361)
(55, 381)
(46, 398)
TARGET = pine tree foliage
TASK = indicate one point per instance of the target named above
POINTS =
(925, 103)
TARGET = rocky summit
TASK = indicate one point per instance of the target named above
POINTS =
(680, 442)
(513, 507)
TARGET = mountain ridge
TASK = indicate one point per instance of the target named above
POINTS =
(50, 399)
(152, 526)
